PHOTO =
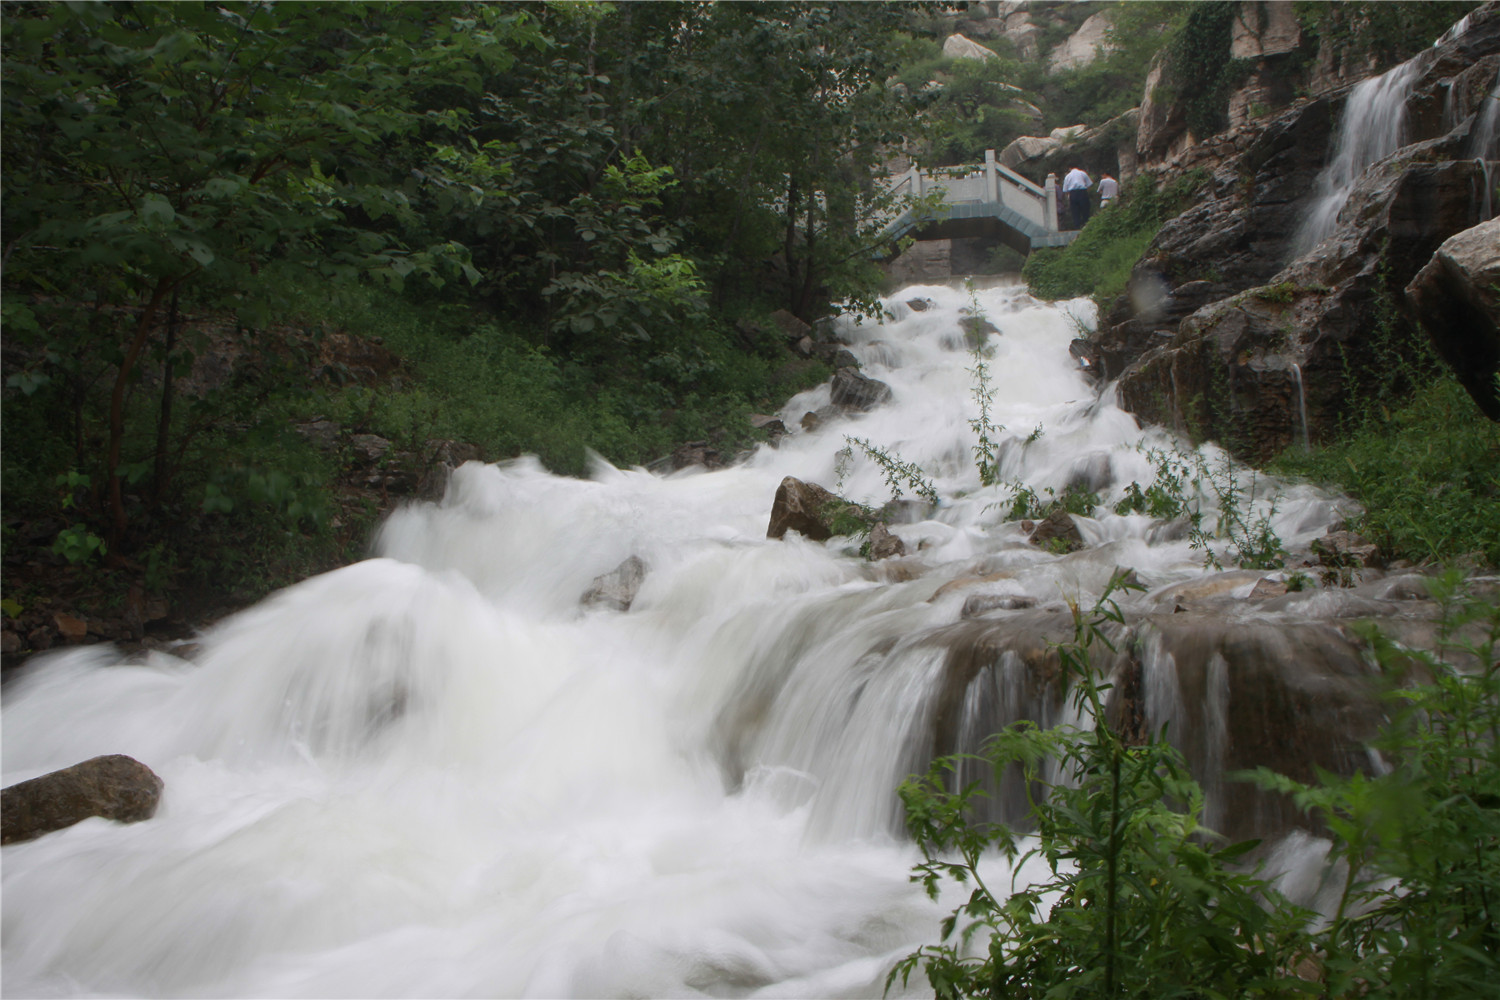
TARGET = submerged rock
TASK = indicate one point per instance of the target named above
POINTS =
(114, 787)
(978, 604)
(1058, 530)
(854, 391)
(808, 508)
(617, 588)
(1231, 695)
(883, 544)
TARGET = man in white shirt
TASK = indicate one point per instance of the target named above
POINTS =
(1076, 186)
(1109, 189)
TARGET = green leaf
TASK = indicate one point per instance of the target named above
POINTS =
(156, 210)
(28, 382)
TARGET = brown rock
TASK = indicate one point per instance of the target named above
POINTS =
(977, 604)
(369, 448)
(114, 787)
(1455, 297)
(72, 629)
(1058, 524)
(854, 391)
(1267, 588)
(1346, 550)
(790, 325)
(804, 507)
(10, 642)
(883, 544)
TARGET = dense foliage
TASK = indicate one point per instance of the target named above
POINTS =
(566, 223)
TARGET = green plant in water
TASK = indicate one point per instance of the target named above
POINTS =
(987, 447)
(1418, 913)
(1027, 504)
(1183, 482)
(1141, 901)
(899, 475)
(845, 517)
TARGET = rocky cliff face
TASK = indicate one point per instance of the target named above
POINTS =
(1226, 334)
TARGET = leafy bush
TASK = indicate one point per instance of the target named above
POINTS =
(1141, 901)
(1427, 473)
(1419, 910)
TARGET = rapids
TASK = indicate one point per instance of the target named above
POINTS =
(435, 773)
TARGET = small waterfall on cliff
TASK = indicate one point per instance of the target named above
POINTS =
(1373, 127)
(438, 773)
(1484, 141)
(1302, 434)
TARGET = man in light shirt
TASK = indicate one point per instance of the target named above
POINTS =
(1076, 186)
(1109, 190)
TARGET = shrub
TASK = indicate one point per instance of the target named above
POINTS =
(1099, 260)
(1141, 902)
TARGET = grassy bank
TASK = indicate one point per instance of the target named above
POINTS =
(1427, 473)
(1099, 260)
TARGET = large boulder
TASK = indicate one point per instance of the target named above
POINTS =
(1083, 46)
(1021, 32)
(854, 391)
(1230, 691)
(1456, 297)
(1026, 148)
(807, 508)
(114, 787)
(959, 47)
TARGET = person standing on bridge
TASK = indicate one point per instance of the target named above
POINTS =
(1076, 185)
(1109, 190)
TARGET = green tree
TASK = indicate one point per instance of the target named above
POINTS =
(160, 150)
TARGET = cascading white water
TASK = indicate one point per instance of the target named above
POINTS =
(1302, 432)
(1373, 127)
(433, 773)
(1484, 140)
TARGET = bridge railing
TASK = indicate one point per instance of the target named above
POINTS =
(992, 186)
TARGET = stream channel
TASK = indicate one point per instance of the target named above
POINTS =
(438, 772)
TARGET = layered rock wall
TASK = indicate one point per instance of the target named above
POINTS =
(1224, 335)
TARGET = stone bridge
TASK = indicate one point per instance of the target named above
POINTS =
(983, 200)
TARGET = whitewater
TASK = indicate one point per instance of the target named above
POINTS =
(437, 772)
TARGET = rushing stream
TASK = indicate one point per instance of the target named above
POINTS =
(437, 773)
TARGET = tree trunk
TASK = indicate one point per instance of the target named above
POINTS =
(162, 472)
(115, 531)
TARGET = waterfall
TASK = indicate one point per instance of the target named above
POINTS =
(1302, 434)
(1373, 127)
(437, 773)
(1484, 143)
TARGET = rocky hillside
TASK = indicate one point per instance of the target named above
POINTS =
(1235, 328)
